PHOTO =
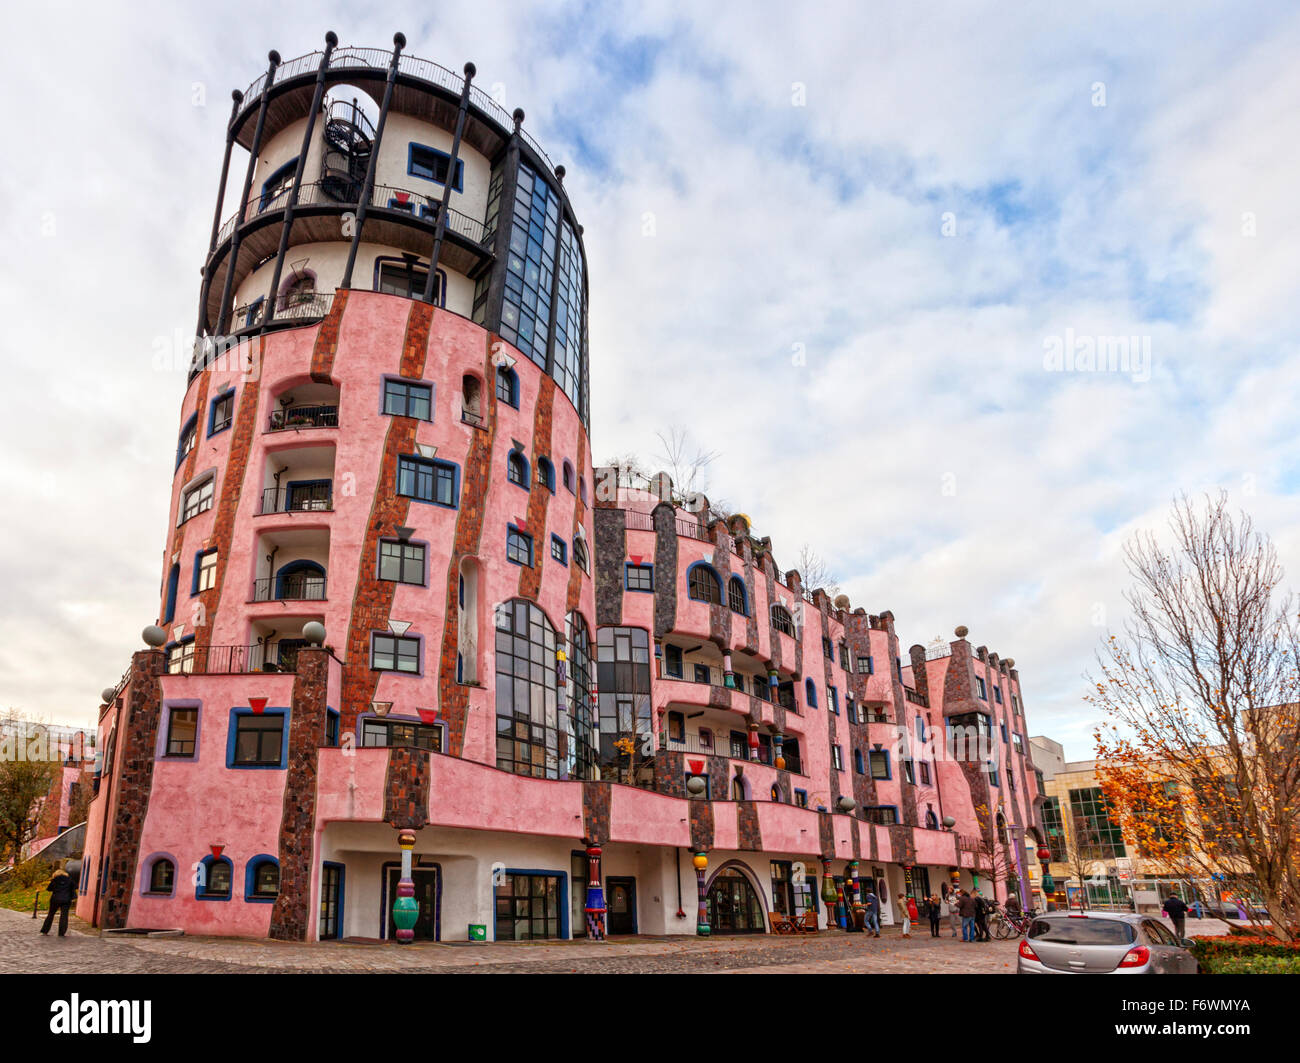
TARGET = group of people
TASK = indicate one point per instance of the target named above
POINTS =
(967, 911)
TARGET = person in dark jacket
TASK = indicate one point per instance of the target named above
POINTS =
(933, 905)
(63, 891)
(873, 913)
(1176, 909)
(981, 918)
(966, 908)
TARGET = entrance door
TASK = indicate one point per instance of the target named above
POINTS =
(733, 906)
(621, 905)
(331, 902)
(426, 896)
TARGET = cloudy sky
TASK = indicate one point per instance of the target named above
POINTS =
(835, 242)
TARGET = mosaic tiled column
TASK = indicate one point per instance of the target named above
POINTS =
(595, 896)
(728, 676)
(406, 910)
(778, 756)
(702, 919)
(829, 894)
(753, 742)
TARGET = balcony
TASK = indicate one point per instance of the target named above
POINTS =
(299, 417)
(295, 308)
(290, 587)
(310, 497)
(188, 659)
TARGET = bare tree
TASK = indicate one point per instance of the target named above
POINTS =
(684, 460)
(815, 572)
(1200, 693)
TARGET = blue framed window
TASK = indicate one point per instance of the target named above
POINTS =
(673, 661)
(980, 689)
(188, 438)
(517, 469)
(331, 727)
(546, 474)
(920, 729)
(262, 879)
(1005, 737)
(508, 386)
(997, 694)
(883, 815)
(702, 673)
(810, 693)
(205, 571)
(737, 600)
(173, 581)
(519, 547)
(394, 653)
(430, 164)
(277, 184)
(866, 666)
(221, 414)
(427, 480)
(879, 762)
(639, 577)
(801, 798)
(837, 757)
(703, 585)
(858, 765)
(559, 551)
(253, 312)
(258, 739)
(402, 398)
(833, 698)
(215, 882)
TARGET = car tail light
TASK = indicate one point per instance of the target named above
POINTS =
(1136, 956)
(1027, 951)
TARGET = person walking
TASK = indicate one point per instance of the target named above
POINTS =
(954, 916)
(63, 891)
(934, 916)
(966, 909)
(982, 918)
(873, 913)
(1176, 908)
(906, 913)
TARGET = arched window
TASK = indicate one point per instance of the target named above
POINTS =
(517, 469)
(703, 584)
(262, 878)
(471, 403)
(508, 386)
(546, 474)
(567, 473)
(214, 883)
(162, 876)
(776, 793)
(531, 737)
(931, 820)
(781, 620)
(169, 608)
(300, 581)
(736, 595)
(737, 789)
(810, 693)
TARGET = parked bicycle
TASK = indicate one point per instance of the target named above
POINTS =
(1004, 924)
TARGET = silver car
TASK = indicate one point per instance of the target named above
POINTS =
(1102, 943)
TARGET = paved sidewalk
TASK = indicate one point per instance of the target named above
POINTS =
(83, 951)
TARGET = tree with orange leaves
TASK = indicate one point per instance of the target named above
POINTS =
(1199, 753)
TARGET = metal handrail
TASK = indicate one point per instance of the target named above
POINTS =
(377, 60)
(188, 659)
(292, 306)
(317, 193)
(308, 498)
(294, 587)
(304, 417)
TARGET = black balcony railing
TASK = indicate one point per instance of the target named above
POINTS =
(188, 659)
(293, 587)
(299, 498)
(915, 697)
(693, 530)
(471, 417)
(304, 417)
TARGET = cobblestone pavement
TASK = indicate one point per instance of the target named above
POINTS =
(83, 951)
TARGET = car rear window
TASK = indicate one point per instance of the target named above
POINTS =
(1082, 931)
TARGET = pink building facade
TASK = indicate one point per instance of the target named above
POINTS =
(397, 597)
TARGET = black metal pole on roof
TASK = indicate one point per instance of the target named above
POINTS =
(237, 98)
(254, 149)
(331, 42)
(440, 227)
(399, 42)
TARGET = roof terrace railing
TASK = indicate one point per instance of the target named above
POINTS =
(377, 60)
